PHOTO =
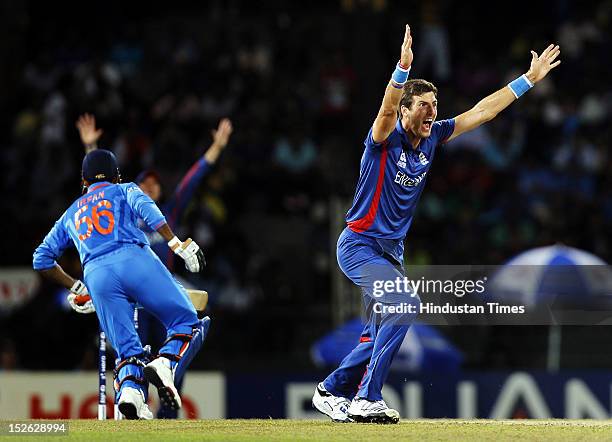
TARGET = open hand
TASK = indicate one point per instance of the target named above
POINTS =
(542, 64)
(86, 124)
(407, 55)
(223, 132)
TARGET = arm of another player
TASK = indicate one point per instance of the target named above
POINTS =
(45, 262)
(220, 139)
(191, 180)
(86, 124)
(387, 114)
(489, 107)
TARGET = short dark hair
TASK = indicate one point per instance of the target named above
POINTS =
(416, 87)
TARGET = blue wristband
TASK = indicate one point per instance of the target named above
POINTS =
(400, 75)
(520, 85)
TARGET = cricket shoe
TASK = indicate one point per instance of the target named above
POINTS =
(333, 406)
(374, 412)
(132, 404)
(159, 374)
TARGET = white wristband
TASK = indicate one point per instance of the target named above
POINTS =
(174, 243)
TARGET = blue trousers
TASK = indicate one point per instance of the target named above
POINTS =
(134, 274)
(363, 372)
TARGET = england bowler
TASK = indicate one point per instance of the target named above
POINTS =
(399, 150)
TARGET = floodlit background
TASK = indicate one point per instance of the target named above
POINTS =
(302, 85)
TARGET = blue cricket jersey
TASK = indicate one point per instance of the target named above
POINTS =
(391, 180)
(99, 222)
(174, 209)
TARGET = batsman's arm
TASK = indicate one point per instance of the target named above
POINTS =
(143, 206)
(387, 114)
(166, 232)
(86, 124)
(188, 249)
(48, 252)
(58, 275)
(489, 107)
(146, 209)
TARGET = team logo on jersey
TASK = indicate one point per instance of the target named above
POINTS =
(402, 160)
(423, 159)
(408, 181)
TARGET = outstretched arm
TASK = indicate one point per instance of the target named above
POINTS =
(220, 138)
(86, 124)
(191, 180)
(489, 107)
(387, 115)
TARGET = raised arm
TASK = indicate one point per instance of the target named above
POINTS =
(489, 107)
(220, 139)
(190, 182)
(86, 124)
(387, 115)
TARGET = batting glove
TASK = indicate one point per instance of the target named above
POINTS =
(190, 252)
(79, 298)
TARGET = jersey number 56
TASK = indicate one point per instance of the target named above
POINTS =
(94, 220)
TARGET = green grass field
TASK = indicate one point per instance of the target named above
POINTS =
(276, 430)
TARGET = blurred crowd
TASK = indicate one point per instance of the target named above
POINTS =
(302, 86)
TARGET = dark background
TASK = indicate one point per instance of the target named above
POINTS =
(311, 77)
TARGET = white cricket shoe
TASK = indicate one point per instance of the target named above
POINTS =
(159, 374)
(132, 404)
(333, 406)
(376, 412)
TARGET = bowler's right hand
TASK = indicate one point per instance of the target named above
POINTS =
(407, 55)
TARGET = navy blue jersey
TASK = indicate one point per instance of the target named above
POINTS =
(99, 222)
(391, 180)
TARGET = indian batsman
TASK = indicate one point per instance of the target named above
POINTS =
(399, 150)
(149, 329)
(120, 269)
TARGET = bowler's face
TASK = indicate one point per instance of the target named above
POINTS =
(421, 115)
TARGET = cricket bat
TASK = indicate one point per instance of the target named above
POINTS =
(199, 298)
